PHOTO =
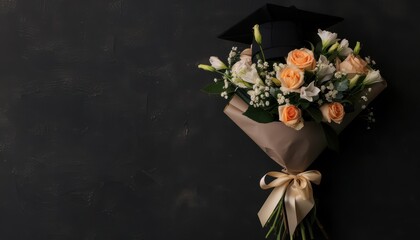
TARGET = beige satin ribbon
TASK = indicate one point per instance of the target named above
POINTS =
(299, 199)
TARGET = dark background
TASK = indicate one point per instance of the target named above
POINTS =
(104, 133)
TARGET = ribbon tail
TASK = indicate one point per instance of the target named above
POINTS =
(291, 213)
(298, 204)
(271, 203)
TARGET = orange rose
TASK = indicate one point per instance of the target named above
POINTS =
(333, 112)
(291, 78)
(352, 65)
(302, 58)
(291, 116)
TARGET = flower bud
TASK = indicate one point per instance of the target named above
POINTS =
(257, 34)
(333, 47)
(357, 48)
(353, 81)
(217, 63)
(207, 67)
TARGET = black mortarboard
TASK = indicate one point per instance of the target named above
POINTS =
(282, 29)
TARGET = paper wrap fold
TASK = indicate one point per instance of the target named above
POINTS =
(293, 149)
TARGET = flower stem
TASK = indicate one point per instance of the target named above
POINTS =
(302, 231)
(321, 228)
(275, 210)
(311, 234)
(276, 214)
(262, 52)
(273, 226)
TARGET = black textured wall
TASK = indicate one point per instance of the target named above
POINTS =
(104, 133)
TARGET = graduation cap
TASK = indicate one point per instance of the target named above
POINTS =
(282, 28)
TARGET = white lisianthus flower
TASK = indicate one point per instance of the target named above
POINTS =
(217, 63)
(309, 92)
(343, 49)
(372, 77)
(327, 38)
(325, 69)
(246, 72)
(252, 76)
(241, 67)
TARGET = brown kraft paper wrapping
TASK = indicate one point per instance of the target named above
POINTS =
(293, 149)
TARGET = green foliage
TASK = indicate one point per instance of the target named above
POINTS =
(342, 85)
(303, 103)
(217, 88)
(315, 114)
(309, 76)
(259, 115)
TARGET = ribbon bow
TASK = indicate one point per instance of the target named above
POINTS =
(299, 199)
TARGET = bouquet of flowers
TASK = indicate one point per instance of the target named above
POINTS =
(292, 109)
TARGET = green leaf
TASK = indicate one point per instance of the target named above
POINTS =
(243, 95)
(339, 95)
(309, 76)
(348, 106)
(315, 113)
(304, 104)
(342, 85)
(216, 88)
(332, 137)
(259, 115)
(312, 46)
(333, 56)
(318, 48)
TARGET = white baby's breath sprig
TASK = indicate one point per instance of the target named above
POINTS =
(364, 98)
(369, 116)
(224, 95)
(259, 96)
(233, 56)
(339, 74)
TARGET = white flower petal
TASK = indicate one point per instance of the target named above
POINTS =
(327, 38)
(216, 63)
(343, 49)
(309, 92)
(325, 69)
(372, 77)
